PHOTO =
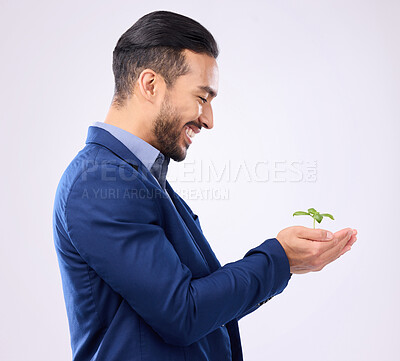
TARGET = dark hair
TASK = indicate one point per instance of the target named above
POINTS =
(157, 41)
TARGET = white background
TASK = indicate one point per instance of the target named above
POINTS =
(299, 81)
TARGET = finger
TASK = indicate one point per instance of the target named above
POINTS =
(335, 249)
(348, 246)
(353, 239)
(314, 234)
(333, 256)
(343, 233)
(346, 249)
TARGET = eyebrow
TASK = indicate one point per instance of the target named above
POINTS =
(209, 90)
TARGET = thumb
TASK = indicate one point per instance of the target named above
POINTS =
(315, 234)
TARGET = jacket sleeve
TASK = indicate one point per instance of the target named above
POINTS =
(252, 308)
(121, 237)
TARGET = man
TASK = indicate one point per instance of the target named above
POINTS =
(140, 280)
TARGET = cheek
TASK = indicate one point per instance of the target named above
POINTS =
(195, 111)
(190, 113)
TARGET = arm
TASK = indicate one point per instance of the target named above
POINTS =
(123, 241)
(251, 308)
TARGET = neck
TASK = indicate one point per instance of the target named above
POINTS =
(132, 121)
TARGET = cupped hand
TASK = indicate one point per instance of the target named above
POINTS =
(310, 250)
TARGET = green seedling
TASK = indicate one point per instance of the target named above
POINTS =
(314, 214)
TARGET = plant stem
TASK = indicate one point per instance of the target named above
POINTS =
(314, 222)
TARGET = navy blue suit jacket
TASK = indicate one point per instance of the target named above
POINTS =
(140, 280)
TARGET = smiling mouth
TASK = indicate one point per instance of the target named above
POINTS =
(189, 134)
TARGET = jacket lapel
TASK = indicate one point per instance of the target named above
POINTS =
(196, 232)
(101, 137)
(198, 237)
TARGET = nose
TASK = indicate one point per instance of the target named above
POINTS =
(206, 117)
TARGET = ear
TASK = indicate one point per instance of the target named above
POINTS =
(151, 85)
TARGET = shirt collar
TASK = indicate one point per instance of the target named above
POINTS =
(150, 156)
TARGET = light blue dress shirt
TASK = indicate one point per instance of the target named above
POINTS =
(151, 157)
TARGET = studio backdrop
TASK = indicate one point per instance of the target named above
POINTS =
(307, 115)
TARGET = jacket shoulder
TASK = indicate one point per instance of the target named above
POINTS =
(98, 176)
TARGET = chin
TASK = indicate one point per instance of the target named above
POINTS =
(181, 156)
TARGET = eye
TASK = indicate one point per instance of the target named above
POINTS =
(204, 100)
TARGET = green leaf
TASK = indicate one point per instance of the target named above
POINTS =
(300, 213)
(328, 215)
(318, 217)
(312, 210)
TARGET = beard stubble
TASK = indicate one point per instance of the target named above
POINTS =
(168, 133)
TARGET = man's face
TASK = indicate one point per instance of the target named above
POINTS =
(186, 107)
